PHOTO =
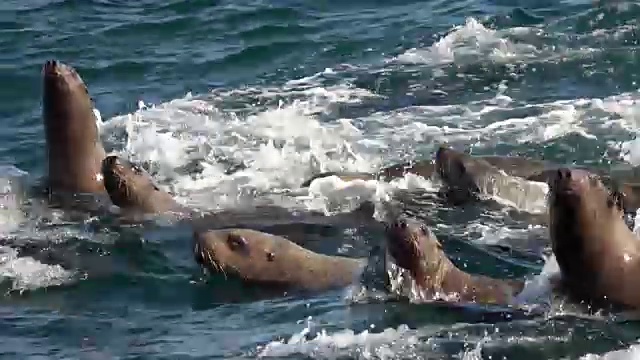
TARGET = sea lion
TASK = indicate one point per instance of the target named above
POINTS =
(133, 190)
(516, 166)
(466, 177)
(519, 167)
(598, 256)
(74, 149)
(527, 168)
(415, 248)
(543, 170)
(264, 259)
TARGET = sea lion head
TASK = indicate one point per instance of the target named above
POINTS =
(587, 230)
(128, 184)
(452, 167)
(66, 104)
(245, 253)
(579, 195)
(271, 262)
(415, 248)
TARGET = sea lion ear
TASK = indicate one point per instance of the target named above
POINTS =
(424, 230)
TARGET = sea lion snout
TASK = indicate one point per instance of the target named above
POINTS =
(110, 162)
(114, 165)
(54, 68)
(111, 172)
(570, 181)
(60, 73)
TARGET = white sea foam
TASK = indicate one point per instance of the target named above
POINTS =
(23, 273)
(631, 353)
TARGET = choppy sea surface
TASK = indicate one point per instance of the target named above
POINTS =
(289, 89)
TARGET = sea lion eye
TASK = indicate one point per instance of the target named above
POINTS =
(237, 242)
(424, 230)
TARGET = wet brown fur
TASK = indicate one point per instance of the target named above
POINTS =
(260, 258)
(416, 249)
(74, 149)
(131, 188)
(598, 256)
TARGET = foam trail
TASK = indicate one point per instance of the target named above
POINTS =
(24, 273)
(330, 346)
(464, 41)
(283, 144)
(537, 291)
(631, 353)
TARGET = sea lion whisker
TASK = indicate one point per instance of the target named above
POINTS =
(217, 266)
(203, 254)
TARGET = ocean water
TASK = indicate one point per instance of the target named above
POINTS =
(291, 88)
